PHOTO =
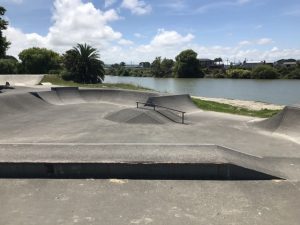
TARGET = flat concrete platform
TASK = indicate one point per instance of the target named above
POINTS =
(44, 131)
(121, 202)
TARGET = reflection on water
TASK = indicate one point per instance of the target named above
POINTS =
(285, 92)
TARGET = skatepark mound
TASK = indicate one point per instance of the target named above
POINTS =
(287, 122)
(137, 116)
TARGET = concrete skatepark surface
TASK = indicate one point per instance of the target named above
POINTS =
(20, 80)
(66, 126)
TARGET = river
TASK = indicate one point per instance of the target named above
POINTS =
(283, 92)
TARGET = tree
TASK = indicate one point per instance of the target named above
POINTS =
(162, 68)
(218, 60)
(167, 67)
(4, 44)
(156, 67)
(264, 72)
(83, 64)
(8, 66)
(187, 65)
(145, 64)
(39, 60)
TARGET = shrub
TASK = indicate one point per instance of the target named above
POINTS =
(295, 74)
(238, 73)
(264, 72)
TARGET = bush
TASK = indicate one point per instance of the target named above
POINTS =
(67, 76)
(8, 66)
(295, 74)
(238, 73)
(264, 72)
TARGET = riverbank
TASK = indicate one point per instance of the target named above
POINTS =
(250, 105)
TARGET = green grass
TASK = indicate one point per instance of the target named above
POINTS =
(225, 108)
(57, 80)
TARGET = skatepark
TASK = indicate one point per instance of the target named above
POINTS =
(134, 157)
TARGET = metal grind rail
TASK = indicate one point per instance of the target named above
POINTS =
(155, 106)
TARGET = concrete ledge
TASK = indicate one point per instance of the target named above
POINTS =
(132, 161)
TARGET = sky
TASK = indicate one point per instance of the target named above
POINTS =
(140, 30)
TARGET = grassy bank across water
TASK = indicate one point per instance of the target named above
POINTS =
(226, 108)
(202, 104)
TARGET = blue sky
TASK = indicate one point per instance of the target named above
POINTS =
(135, 30)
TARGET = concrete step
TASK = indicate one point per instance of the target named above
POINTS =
(130, 161)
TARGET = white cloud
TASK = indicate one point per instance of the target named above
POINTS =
(265, 41)
(170, 38)
(125, 42)
(262, 41)
(165, 43)
(137, 7)
(73, 22)
(139, 35)
(243, 43)
(108, 3)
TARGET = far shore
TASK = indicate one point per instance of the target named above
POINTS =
(251, 105)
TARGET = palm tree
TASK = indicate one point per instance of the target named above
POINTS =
(83, 62)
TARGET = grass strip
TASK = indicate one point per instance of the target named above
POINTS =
(226, 108)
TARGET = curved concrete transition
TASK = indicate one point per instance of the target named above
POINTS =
(143, 160)
(287, 122)
(21, 79)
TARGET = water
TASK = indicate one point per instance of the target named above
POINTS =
(284, 92)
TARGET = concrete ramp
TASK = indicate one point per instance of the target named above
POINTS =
(137, 116)
(131, 161)
(73, 95)
(20, 103)
(68, 95)
(178, 102)
(287, 122)
(21, 79)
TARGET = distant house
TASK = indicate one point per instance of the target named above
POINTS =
(253, 64)
(289, 64)
(133, 66)
(206, 63)
(286, 63)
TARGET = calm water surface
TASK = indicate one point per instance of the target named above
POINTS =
(285, 92)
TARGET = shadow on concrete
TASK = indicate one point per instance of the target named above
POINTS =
(156, 171)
